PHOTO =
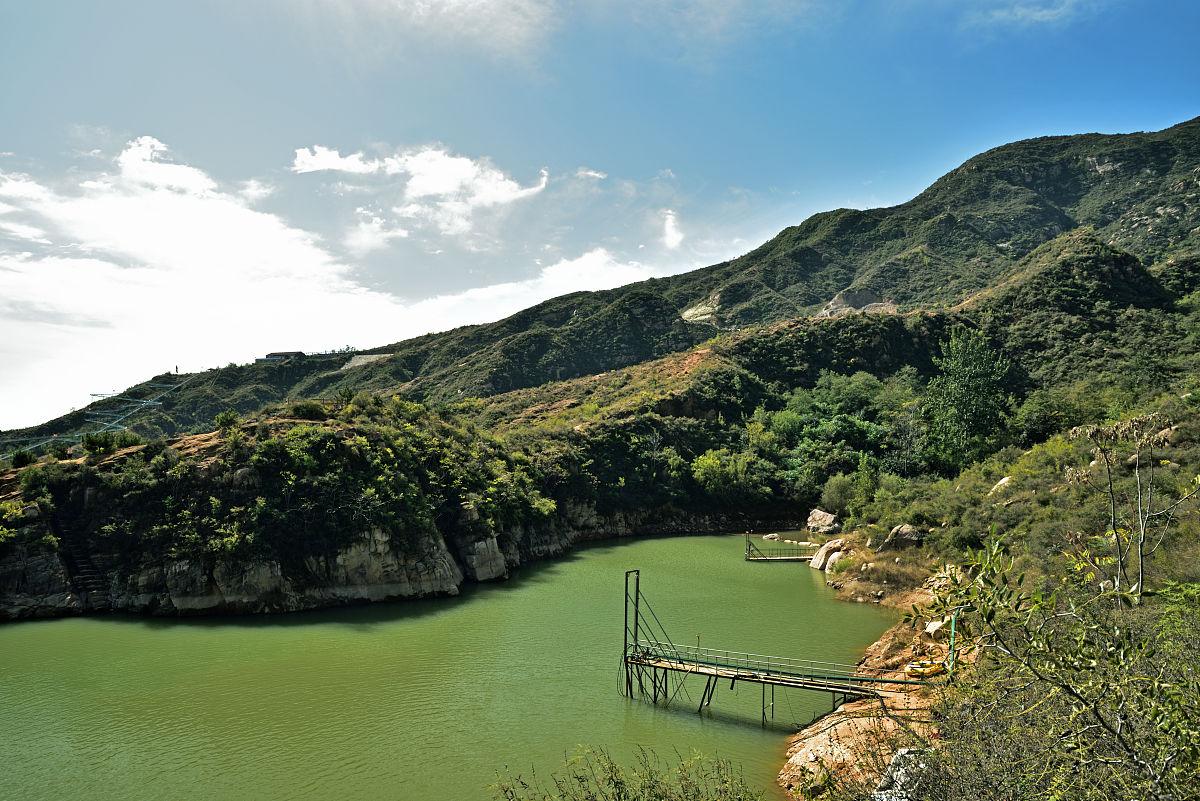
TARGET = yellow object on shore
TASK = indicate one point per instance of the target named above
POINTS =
(924, 669)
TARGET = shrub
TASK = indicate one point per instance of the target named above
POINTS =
(733, 476)
(126, 439)
(60, 449)
(99, 443)
(226, 420)
(23, 459)
(309, 410)
(594, 774)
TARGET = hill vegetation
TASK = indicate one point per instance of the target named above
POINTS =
(964, 235)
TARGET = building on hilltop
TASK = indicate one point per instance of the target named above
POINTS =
(280, 356)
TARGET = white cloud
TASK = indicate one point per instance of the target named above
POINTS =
(140, 163)
(370, 233)
(255, 190)
(441, 189)
(156, 265)
(594, 270)
(508, 28)
(319, 157)
(1028, 12)
(18, 230)
(587, 172)
(672, 237)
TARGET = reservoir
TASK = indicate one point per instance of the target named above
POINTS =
(412, 700)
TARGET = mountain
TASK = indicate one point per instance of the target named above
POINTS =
(1050, 283)
(964, 237)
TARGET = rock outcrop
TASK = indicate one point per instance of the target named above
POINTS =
(850, 301)
(826, 552)
(370, 570)
(1000, 485)
(34, 584)
(902, 536)
(900, 782)
(822, 522)
(36, 580)
(834, 559)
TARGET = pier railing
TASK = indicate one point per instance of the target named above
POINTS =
(778, 553)
(761, 664)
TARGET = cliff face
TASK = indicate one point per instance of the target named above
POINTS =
(34, 584)
(43, 580)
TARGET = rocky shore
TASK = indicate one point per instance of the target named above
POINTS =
(60, 575)
(859, 744)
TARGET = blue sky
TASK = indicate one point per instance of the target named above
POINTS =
(193, 184)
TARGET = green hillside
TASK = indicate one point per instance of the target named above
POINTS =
(966, 236)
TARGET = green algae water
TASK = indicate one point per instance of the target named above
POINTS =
(411, 700)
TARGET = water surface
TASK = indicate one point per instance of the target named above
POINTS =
(411, 700)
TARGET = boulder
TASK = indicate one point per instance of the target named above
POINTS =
(902, 536)
(901, 781)
(771, 537)
(1000, 485)
(823, 522)
(821, 557)
(834, 559)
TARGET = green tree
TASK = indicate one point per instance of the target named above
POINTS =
(733, 476)
(966, 402)
(99, 443)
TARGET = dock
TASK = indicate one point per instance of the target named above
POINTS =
(778, 553)
(652, 662)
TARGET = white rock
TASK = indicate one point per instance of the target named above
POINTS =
(821, 557)
(1000, 485)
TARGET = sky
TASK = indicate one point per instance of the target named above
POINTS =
(187, 185)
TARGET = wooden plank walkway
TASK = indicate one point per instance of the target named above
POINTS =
(830, 685)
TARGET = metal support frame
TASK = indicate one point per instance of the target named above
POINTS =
(649, 655)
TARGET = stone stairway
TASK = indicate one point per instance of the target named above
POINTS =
(88, 582)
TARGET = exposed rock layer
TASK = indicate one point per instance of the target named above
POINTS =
(37, 581)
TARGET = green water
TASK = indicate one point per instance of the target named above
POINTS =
(412, 701)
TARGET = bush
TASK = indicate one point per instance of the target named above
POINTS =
(838, 493)
(733, 476)
(60, 449)
(126, 439)
(226, 420)
(23, 459)
(309, 410)
(595, 775)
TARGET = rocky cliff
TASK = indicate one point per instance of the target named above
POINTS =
(47, 578)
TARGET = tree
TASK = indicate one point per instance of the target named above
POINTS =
(733, 476)
(1071, 696)
(99, 443)
(966, 402)
(1141, 511)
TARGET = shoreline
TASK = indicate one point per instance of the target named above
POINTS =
(854, 743)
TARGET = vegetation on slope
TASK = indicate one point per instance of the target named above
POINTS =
(965, 233)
